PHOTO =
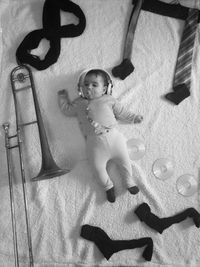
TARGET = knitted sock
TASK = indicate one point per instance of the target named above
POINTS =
(123, 69)
(181, 92)
(110, 195)
(160, 224)
(108, 246)
(133, 190)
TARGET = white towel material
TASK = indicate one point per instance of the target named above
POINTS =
(59, 207)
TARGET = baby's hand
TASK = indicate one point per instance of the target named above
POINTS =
(63, 92)
(138, 119)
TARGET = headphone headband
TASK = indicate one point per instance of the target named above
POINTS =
(82, 78)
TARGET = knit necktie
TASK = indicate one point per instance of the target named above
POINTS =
(182, 76)
(126, 67)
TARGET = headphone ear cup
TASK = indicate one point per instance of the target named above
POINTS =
(80, 84)
(109, 89)
(80, 91)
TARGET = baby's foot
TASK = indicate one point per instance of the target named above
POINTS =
(110, 195)
(195, 216)
(133, 190)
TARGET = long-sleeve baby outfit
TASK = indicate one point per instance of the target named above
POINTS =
(98, 119)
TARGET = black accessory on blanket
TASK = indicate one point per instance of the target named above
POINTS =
(110, 193)
(181, 91)
(182, 76)
(170, 10)
(126, 67)
(108, 246)
(144, 213)
(52, 31)
(134, 190)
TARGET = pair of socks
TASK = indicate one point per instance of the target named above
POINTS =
(144, 213)
(108, 247)
(110, 193)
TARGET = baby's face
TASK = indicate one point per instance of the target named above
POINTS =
(94, 86)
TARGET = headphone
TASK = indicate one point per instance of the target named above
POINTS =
(82, 78)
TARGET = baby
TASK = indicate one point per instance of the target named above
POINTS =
(97, 112)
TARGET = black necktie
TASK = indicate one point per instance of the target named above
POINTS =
(126, 67)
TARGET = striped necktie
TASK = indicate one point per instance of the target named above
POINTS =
(182, 76)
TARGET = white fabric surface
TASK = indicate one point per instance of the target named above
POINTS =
(58, 207)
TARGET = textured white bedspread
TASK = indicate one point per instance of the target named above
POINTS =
(60, 206)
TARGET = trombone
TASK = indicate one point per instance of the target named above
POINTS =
(21, 80)
(19, 76)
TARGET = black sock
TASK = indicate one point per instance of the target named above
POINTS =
(181, 92)
(110, 193)
(134, 190)
(160, 224)
(108, 246)
(123, 69)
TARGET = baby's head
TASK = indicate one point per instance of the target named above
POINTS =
(95, 83)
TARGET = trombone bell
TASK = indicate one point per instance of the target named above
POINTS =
(21, 79)
(48, 173)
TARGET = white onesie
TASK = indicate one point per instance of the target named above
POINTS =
(98, 119)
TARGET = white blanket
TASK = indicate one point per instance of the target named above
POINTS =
(58, 207)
